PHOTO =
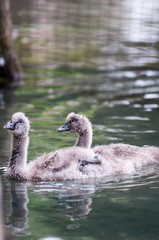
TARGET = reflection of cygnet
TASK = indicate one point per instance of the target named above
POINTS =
(19, 217)
(75, 196)
(78, 208)
(110, 159)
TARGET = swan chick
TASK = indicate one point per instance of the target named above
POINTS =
(116, 158)
(80, 124)
(18, 127)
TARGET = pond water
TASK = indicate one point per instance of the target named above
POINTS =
(118, 90)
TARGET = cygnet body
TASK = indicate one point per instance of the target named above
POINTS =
(58, 165)
(114, 158)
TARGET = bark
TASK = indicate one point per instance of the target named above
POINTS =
(11, 69)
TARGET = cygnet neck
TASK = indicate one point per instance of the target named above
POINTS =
(18, 157)
(84, 139)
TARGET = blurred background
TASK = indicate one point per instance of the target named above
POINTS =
(96, 57)
(89, 35)
(102, 35)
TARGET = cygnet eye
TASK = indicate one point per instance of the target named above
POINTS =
(20, 121)
(74, 120)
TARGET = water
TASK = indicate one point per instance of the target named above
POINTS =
(116, 86)
(95, 209)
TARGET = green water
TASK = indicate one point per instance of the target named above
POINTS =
(122, 207)
(99, 59)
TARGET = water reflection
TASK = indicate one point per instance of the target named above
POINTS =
(18, 219)
(72, 201)
(74, 196)
(76, 201)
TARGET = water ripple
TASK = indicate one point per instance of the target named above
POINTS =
(147, 176)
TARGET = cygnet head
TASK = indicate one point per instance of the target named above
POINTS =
(19, 125)
(76, 123)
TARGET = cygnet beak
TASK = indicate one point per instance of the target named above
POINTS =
(10, 125)
(65, 127)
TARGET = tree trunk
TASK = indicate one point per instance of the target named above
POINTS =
(11, 69)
